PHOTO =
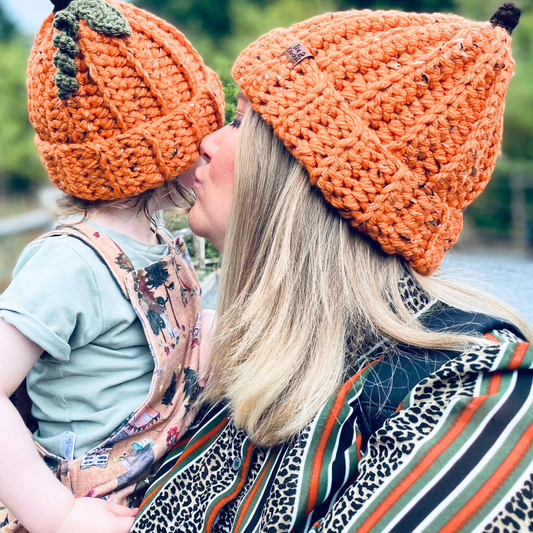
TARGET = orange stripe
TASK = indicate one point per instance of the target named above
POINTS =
(358, 444)
(252, 494)
(495, 382)
(494, 483)
(518, 356)
(491, 337)
(423, 464)
(185, 454)
(321, 448)
(229, 497)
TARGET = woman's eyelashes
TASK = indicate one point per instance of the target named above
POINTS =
(235, 123)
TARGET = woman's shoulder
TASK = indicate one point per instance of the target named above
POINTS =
(395, 371)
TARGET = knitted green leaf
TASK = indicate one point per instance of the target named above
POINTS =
(100, 17)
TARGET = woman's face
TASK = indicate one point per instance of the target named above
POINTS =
(213, 185)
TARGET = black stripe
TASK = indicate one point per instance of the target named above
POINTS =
(339, 466)
(346, 438)
(266, 494)
(472, 456)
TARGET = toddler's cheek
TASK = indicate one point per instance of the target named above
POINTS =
(186, 178)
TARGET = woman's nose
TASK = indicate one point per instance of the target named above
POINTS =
(211, 143)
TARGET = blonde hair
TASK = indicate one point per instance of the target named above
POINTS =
(302, 292)
(71, 205)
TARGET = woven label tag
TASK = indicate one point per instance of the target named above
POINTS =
(295, 54)
(68, 441)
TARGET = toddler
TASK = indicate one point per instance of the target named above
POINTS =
(102, 317)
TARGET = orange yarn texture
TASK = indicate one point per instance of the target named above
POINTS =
(398, 117)
(143, 106)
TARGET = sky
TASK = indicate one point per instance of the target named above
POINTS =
(27, 14)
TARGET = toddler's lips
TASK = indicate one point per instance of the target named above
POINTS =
(196, 182)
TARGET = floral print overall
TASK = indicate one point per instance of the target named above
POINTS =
(166, 298)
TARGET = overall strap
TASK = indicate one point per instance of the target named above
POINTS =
(107, 249)
(163, 237)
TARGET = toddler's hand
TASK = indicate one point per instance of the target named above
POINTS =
(93, 514)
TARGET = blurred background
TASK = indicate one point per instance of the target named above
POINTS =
(496, 246)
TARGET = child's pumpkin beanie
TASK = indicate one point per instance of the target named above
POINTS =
(396, 116)
(119, 99)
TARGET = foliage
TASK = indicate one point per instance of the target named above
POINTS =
(491, 212)
(220, 29)
(175, 221)
(7, 28)
(231, 90)
(20, 167)
(420, 6)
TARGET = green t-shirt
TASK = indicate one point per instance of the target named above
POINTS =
(96, 368)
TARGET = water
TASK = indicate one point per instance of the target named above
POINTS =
(506, 275)
(503, 274)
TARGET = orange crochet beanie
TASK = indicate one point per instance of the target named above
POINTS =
(396, 116)
(119, 99)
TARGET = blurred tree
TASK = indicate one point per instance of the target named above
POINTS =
(20, 167)
(209, 19)
(492, 211)
(419, 6)
(7, 28)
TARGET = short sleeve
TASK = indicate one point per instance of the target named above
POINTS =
(53, 298)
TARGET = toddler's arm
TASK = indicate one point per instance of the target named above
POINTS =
(27, 487)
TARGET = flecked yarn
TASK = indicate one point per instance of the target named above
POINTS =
(132, 109)
(397, 116)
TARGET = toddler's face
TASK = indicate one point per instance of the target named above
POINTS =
(186, 178)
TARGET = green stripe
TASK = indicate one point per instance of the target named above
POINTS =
(510, 350)
(509, 354)
(253, 500)
(324, 418)
(444, 458)
(528, 358)
(207, 426)
(470, 492)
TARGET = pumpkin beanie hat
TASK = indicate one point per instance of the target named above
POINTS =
(396, 116)
(119, 99)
